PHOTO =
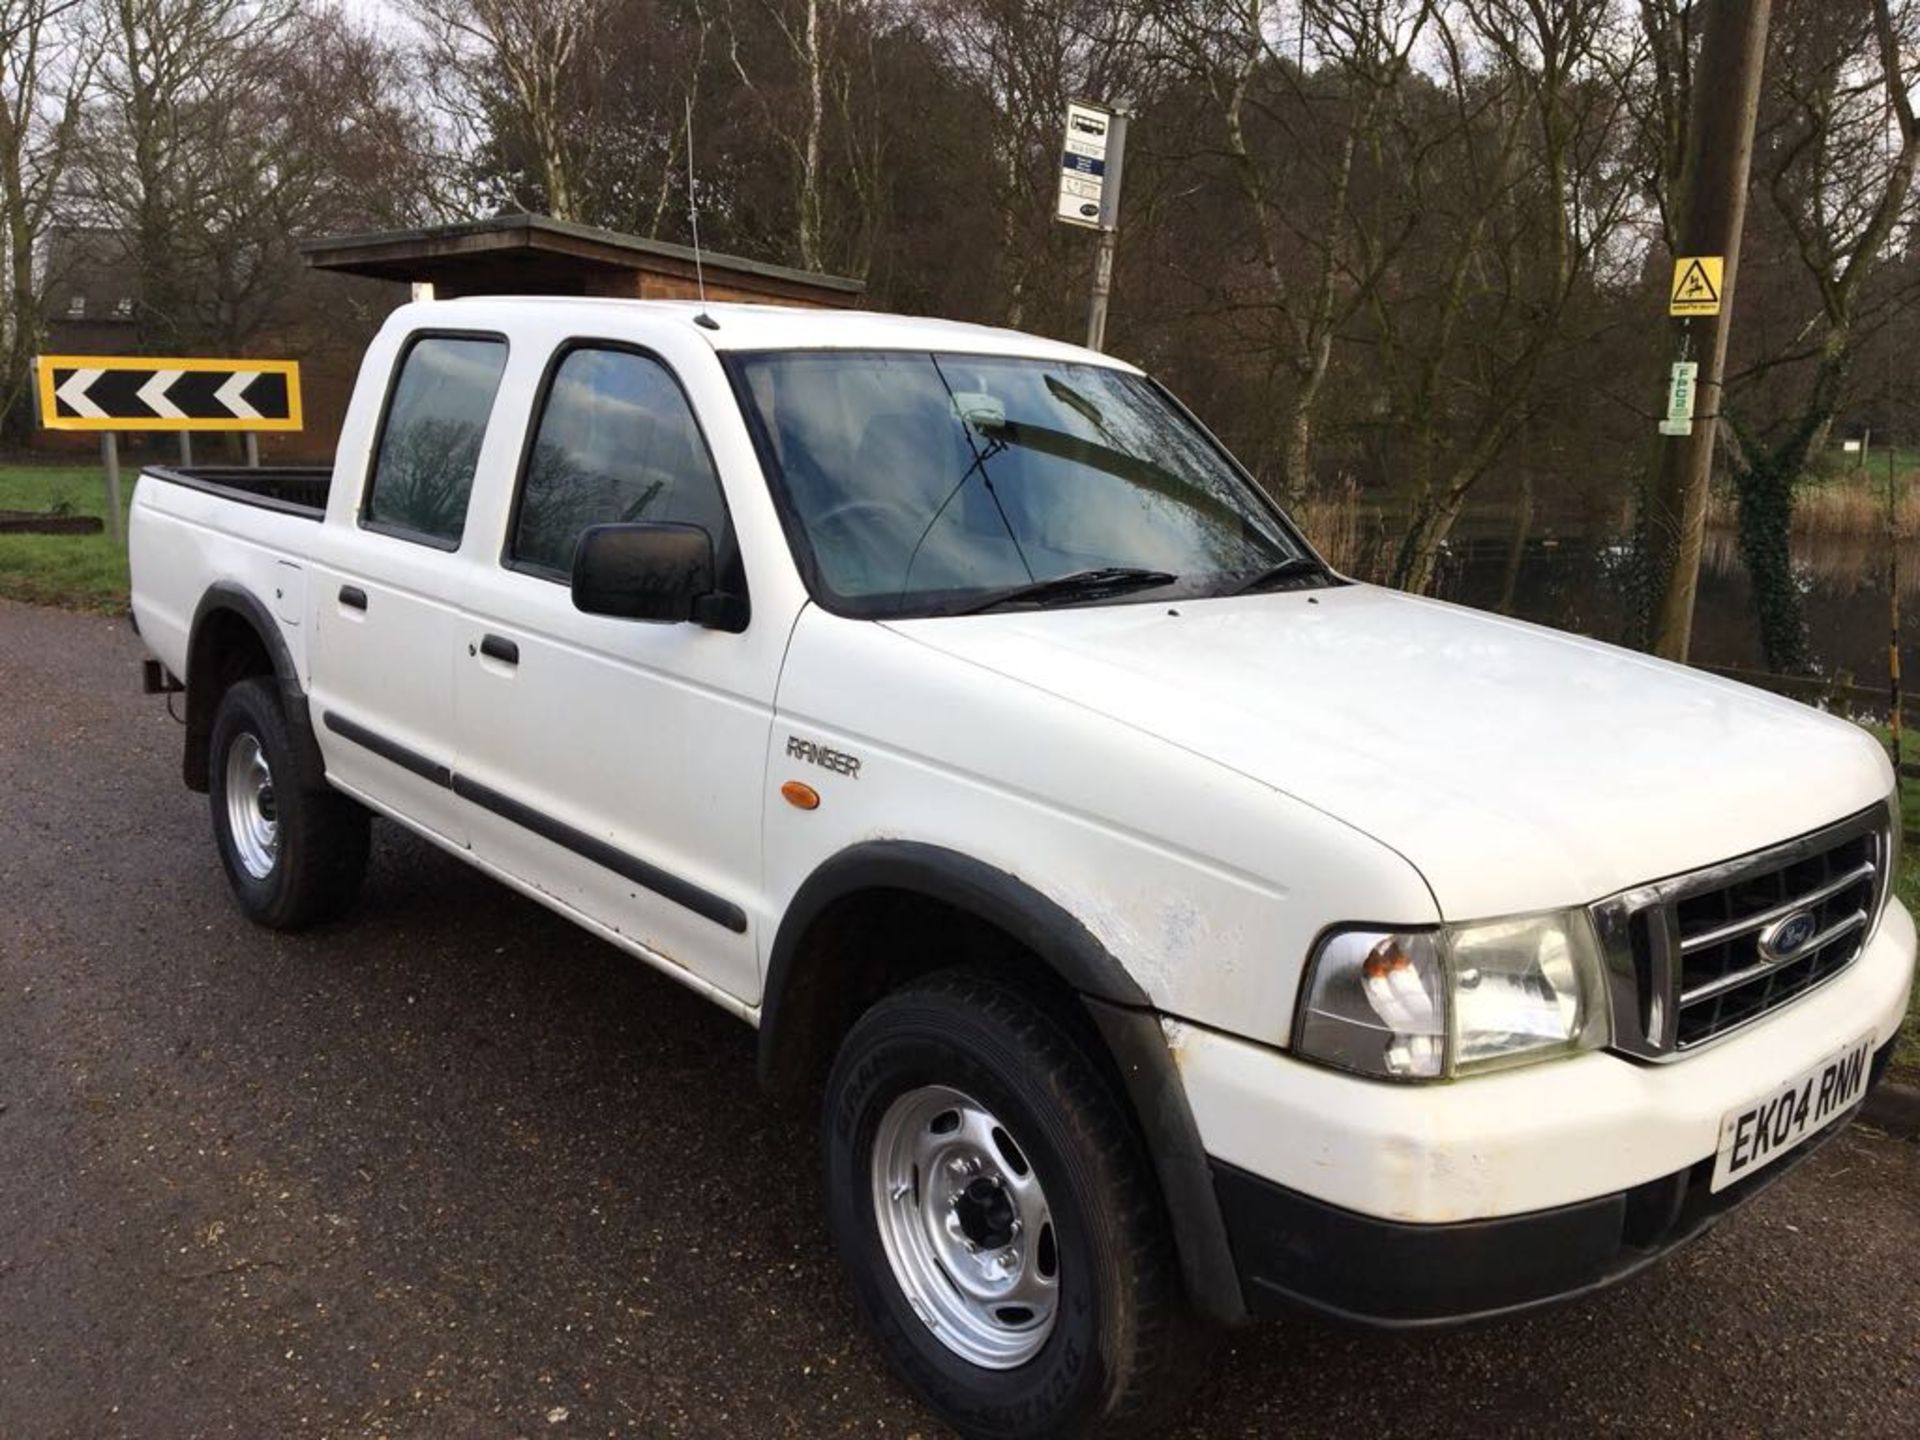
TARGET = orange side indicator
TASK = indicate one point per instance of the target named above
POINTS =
(801, 797)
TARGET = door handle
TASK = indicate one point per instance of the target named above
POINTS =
(496, 647)
(353, 597)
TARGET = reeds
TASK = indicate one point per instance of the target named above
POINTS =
(1841, 509)
(1337, 527)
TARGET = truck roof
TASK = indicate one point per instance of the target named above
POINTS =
(789, 327)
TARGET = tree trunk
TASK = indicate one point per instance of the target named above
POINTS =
(22, 337)
(1765, 478)
(1296, 451)
(811, 227)
(556, 173)
(1419, 558)
(23, 340)
(1517, 546)
(1766, 533)
(1013, 266)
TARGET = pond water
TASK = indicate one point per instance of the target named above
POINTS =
(1578, 582)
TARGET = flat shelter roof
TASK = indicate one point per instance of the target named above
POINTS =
(538, 255)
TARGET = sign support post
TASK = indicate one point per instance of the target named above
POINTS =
(252, 443)
(1089, 196)
(1109, 235)
(1102, 289)
(110, 458)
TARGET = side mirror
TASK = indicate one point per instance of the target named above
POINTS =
(653, 571)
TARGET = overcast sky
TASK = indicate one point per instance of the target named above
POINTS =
(387, 15)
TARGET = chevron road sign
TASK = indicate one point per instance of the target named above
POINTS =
(144, 392)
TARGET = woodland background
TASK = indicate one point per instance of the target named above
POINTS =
(1408, 257)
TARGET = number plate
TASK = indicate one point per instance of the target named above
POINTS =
(1756, 1135)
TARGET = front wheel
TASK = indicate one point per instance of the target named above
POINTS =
(294, 849)
(996, 1216)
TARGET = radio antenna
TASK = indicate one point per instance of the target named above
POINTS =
(703, 319)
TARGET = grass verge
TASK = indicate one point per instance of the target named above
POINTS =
(79, 572)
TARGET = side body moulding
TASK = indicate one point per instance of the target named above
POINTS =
(702, 902)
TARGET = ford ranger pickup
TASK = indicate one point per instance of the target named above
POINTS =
(1174, 931)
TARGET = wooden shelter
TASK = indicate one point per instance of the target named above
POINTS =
(538, 255)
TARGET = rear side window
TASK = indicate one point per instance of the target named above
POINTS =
(430, 443)
(615, 441)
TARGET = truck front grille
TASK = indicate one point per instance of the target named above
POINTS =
(1701, 954)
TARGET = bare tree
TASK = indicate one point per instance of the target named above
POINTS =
(321, 141)
(1290, 138)
(1531, 196)
(808, 68)
(541, 64)
(220, 133)
(46, 61)
(171, 74)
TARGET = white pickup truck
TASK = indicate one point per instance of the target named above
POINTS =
(1178, 930)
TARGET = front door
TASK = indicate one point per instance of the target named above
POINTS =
(617, 765)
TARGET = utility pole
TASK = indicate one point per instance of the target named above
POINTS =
(1893, 611)
(1713, 206)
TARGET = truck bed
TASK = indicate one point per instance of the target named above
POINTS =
(198, 529)
(291, 489)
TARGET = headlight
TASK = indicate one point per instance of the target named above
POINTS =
(1424, 1004)
(1525, 988)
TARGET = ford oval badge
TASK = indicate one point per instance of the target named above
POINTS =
(1788, 936)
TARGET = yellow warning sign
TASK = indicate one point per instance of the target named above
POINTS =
(1696, 285)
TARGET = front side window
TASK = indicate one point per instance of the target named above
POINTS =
(616, 442)
(936, 484)
(430, 443)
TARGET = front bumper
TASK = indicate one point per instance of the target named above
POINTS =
(1536, 1137)
(1294, 1251)
(1419, 1204)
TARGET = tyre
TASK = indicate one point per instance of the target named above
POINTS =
(295, 851)
(996, 1216)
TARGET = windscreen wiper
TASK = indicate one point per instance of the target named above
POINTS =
(1291, 568)
(1078, 585)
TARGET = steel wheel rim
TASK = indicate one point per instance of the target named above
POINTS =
(966, 1227)
(253, 817)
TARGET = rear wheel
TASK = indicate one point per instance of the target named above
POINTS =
(997, 1218)
(295, 851)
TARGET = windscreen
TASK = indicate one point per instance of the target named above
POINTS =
(929, 484)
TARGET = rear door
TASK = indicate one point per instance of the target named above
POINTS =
(615, 765)
(385, 588)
